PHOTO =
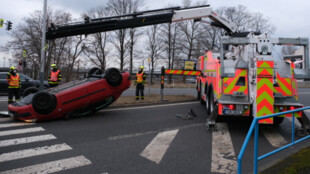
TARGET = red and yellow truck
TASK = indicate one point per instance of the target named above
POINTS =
(244, 78)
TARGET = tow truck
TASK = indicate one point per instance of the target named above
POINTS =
(242, 79)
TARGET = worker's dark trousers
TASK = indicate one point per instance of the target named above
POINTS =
(139, 87)
(53, 85)
(14, 92)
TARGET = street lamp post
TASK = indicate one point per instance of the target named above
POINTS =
(43, 46)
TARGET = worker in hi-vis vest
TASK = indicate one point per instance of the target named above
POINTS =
(140, 80)
(55, 77)
(14, 85)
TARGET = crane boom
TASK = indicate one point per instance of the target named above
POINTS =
(139, 19)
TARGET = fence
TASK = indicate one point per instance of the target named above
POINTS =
(255, 126)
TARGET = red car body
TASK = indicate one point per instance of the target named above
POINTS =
(79, 97)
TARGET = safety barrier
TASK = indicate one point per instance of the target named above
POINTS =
(255, 126)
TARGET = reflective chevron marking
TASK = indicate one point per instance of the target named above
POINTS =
(53, 166)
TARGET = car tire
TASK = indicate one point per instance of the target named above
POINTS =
(113, 77)
(94, 72)
(30, 90)
(44, 103)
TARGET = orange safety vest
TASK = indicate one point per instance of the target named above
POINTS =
(140, 77)
(54, 76)
(14, 81)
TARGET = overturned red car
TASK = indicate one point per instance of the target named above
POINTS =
(76, 98)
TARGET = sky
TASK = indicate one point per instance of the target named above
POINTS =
(291, 18)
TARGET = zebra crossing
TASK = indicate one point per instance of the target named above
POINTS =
(10, 135)
(224, 158)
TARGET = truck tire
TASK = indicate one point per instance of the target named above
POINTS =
(277, 120)
(30, 90)
(113, 77)
(198, 91)
(94, 72)
(211, 102)
(44, 103)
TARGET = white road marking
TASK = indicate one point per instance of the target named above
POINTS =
(223, 155)
(146, 107)
(21, 131)
(151, 132)
(33, 152)
(6, 125)
(26, 140)
(156, 150)
(52, 167)
(273, 136)
(5, 119)
(295, 121)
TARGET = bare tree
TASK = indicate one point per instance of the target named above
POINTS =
(154, 47)
(170, 35)
(27, 36)
(134, 33)
(97, 46)
(73, 51)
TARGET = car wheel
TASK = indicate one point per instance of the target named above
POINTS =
(94, 72)
(113, 76)
(44, 103)
(30, 90)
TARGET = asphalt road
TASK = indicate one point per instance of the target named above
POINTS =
(148, 139)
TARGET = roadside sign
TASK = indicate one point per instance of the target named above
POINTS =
(24, 53)
(1, 23)
(189, 65)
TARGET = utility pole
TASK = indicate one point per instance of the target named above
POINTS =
(43, 46)
(4, 62)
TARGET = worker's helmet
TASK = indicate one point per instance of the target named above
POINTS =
(53, 65)
(12, 68)
(141, 67)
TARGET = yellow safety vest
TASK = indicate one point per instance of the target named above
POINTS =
(14, 81)
(54, 76)
(140, 77)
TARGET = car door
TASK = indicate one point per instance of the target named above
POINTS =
(3, 83)
(26, 81)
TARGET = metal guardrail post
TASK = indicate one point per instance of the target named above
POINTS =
(256, 133)
(256, 126)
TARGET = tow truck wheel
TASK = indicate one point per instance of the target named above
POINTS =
(277, 120)
(94, 72)
(114, 77)
(43, 103)
(30, 90)
(211, 102)
(206, 103)
(198, 91)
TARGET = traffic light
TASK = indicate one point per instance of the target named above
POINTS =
(20, 63)
(1, 23)
(9, 25)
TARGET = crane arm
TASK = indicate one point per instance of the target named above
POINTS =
(138, 19)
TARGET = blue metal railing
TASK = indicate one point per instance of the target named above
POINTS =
(255, 125)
